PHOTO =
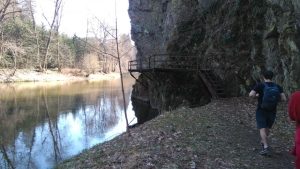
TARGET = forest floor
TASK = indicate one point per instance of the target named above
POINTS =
(26, 75)
(220, 135)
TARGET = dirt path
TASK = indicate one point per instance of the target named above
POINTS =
(219, 135)
(240, 144)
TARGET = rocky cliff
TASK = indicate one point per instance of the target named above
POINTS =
(239, 39)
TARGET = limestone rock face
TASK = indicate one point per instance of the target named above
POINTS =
(168, 90)
(240, 39)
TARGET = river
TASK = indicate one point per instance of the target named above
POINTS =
(44, 123)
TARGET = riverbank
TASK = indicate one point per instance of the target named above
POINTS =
(221, 134)
(25, 75)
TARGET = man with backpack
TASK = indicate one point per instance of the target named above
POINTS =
(268, 95)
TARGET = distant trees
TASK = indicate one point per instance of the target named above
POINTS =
(24, 44)
(9, 10)
(104, 47)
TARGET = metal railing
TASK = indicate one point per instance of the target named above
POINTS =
(170, 61)
(176, 61)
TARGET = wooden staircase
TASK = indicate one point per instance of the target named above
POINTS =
(214, 87)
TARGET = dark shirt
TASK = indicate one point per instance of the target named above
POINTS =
(259, 88)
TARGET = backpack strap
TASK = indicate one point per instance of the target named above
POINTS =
(266, 85)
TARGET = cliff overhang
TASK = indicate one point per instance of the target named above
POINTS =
(239, 39)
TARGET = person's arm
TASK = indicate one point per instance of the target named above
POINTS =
(253, 94)
(282, 97)
(255, 91)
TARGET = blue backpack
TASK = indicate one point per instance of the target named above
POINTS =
(271, 97)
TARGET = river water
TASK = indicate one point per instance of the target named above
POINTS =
(46, 122)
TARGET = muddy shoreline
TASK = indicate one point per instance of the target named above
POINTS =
(25, 75)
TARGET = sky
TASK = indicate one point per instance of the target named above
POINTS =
(76, 13)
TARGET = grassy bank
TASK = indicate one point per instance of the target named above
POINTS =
(221, 134)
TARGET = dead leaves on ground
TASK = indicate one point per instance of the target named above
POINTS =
(221, 134)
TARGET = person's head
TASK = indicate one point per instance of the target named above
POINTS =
(268, 74)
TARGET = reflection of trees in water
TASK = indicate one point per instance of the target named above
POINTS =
(105, 111)
(55, 135)
(25, 118)
(8, 134)
(102, 113)
(7, 163)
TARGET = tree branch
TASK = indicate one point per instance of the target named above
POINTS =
(97, 50)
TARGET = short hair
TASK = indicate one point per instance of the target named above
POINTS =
(268, 74)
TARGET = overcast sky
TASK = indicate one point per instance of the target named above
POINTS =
(76, 12)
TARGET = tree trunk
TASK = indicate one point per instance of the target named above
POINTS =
(85, 43)
(57, 51)
(36, 37)
(57, 40)
(57, 7)
(1, 48)
(121, 76)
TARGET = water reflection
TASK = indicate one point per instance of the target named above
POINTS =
(143, 112)
(44, 123)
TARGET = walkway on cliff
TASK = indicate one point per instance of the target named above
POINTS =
(178, 62)
(219, 135)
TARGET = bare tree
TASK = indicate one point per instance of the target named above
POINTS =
(15, 52)
(112, 50)
(127, 49)
(55, 17)
(58, 21)
(5, 9)
(91, 63)
(86, 37)
(119, 60)
(1, 46)
(101, 32)
(35, 31)
(15, 42)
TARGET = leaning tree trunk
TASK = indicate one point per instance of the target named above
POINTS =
(121, 76)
